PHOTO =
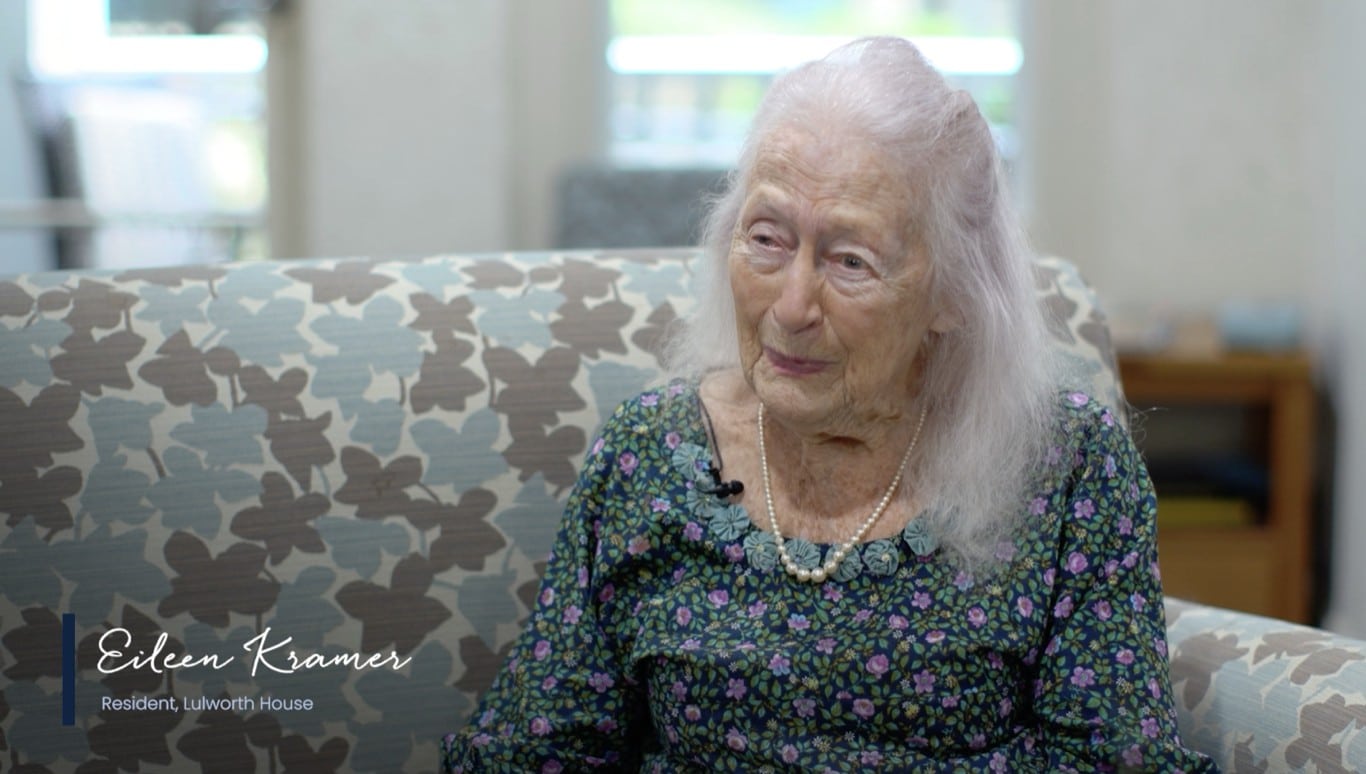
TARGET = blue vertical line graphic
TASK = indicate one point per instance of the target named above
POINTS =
(68, 669)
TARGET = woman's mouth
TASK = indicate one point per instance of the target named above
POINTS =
(793, 366)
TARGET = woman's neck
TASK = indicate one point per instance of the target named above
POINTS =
(823, 483)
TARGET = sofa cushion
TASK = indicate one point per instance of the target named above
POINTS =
(1259, 694)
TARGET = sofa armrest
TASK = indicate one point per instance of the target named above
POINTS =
(1259, 694)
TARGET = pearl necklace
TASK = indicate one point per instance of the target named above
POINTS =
(832, 562)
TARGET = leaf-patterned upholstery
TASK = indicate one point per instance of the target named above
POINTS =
(1262, 695)
(370, 457)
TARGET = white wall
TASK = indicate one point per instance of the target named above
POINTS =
(1169, 140)
(427, 126)
(556, 80)
(391, 130)
(1185, 154)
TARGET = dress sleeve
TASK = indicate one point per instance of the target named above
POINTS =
(1102, 693)
(564, 701)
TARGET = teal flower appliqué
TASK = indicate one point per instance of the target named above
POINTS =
(761, 551)
(850, 568)
(881, 557)
(921, 541)
(803, 552)
(727, 522)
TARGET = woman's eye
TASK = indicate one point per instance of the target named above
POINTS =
(764, 240)
(852, 262)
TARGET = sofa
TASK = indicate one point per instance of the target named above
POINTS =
(287, 516)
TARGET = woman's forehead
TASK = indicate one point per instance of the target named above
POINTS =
(842, 170)
(823, 156)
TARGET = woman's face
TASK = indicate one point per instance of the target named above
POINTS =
(830, 284)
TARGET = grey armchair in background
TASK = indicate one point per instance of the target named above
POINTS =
(599, 206)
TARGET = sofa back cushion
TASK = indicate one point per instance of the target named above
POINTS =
(368, 456)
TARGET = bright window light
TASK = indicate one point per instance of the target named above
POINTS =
(70, 37)
(767, 54)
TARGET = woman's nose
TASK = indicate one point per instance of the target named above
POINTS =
(798, 305)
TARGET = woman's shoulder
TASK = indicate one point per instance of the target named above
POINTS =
(1095, 487)
(645, 431)
(681, 400)
(674, 405)
(1085, 432)
(1082, 420)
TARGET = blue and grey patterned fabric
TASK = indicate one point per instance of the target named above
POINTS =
(367, 456)
(1262, 695)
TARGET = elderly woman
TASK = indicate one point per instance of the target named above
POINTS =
(938, 560)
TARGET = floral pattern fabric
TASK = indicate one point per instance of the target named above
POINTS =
(666, 638)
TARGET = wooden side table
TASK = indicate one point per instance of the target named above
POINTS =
(1261, 567)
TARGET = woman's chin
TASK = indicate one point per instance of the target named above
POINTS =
(795, 401)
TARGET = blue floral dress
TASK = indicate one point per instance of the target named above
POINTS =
(666, 637)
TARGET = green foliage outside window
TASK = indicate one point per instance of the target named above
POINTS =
(781, 17)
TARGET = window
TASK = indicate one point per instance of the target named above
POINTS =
(71, 37)
(686, 76)
(164, 105)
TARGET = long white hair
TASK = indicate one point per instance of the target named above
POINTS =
(989, 382)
